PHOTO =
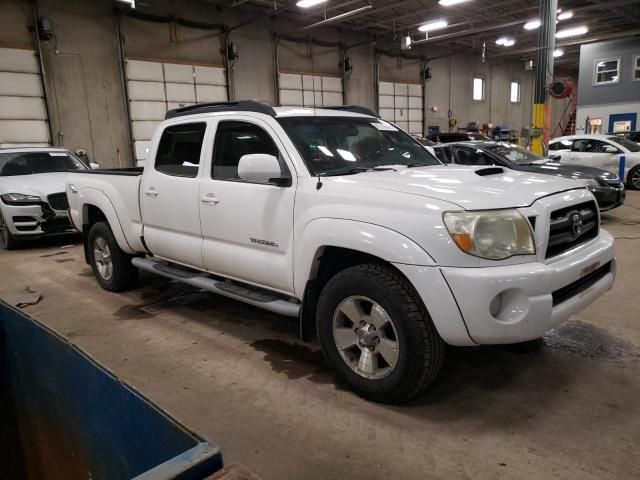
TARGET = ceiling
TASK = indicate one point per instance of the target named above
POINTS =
(470, 24)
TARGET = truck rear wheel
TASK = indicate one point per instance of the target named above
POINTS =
(377, 335)
(111, 266)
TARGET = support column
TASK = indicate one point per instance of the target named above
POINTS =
(544, 73)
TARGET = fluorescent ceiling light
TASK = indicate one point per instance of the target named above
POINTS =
(431, 26)
(448, 3)
(532, 24)
(572, 32)
(309, 3)
(506, 42)
(565, 15)
(558, 52)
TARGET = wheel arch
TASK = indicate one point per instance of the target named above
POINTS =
(97, 208)
(328, 246)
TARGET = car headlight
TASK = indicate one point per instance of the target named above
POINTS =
(491, 234)
(592, 183)
(19, 199)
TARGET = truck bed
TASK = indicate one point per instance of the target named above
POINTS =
(116, 192)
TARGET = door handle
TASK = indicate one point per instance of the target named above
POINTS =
(151, 193)
(210, 199)
(73, 188)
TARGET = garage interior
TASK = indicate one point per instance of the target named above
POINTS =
(100, 75)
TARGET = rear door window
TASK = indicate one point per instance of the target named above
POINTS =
(179, 150)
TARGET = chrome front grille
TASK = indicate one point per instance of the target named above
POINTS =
(572, 226)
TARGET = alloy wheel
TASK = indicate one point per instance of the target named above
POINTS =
(102, 258)
(366, 337)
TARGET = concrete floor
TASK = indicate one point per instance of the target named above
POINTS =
(569, 409)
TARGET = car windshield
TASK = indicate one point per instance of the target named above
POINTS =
(516, 154)
(626, 143)
(478, 137)
(346, 145)
(28, 163)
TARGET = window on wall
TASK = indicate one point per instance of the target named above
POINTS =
(636, 67)
(478, 88)
(515, 92)
(606, 71)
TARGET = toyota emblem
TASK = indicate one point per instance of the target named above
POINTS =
(577, 224)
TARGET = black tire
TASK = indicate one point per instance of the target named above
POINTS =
(421, 350)
(8, 241)
(633, 178)
(123, 275)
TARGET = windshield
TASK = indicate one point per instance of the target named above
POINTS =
(343, 145)
(626, 143)
(516, 154)
(478, 137)
(28, 163)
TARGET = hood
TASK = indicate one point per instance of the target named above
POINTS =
(464, 187)
(576, 172)
(40, 184)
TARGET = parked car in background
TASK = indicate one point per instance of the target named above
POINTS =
(346, 223)
(633, 136)
(501, 133)
(601, 151)
(33, 201)
(457, 137)
(605, 186)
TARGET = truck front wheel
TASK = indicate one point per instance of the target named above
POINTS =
(377, 335)
(111, 266)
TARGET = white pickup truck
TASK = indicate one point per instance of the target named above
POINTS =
(342, 220)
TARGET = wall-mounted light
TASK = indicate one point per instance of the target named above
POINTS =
(558, 52)
(572, 32)
(309, 3)
(435, 25)
(532, 24)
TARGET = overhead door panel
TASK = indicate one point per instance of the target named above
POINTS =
(307, 90)
(402, 103)
(155, 87)
(23, 111)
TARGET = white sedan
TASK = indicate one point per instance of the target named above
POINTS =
(33, 201)
(601, 151)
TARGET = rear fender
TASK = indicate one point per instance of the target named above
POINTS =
(93, 197)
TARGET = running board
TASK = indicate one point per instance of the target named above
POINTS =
(244, 293)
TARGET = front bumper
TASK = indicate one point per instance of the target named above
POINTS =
(517, 303)
(35, 220)
(608, 197)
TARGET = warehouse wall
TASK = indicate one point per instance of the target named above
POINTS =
(87, 99)
(451, 88)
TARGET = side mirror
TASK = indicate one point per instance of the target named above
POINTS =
(555, 158)
(94, 166)
(262, 168)
(610, 149)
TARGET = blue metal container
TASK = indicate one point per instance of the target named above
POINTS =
(65, 417)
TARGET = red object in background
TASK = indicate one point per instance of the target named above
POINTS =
(561, 88)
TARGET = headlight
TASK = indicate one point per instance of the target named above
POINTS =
(19, 199)
(592, 183)
(491, 234)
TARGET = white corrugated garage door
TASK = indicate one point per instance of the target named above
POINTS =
(302, 90)
(401, 103)
(156, 87)
(23, 113)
